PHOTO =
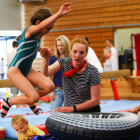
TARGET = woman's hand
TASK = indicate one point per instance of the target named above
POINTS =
(52, 96)
(64, 109)
(45, 52)
(64, 9)
(134, 110)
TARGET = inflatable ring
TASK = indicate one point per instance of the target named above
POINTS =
(93, 126)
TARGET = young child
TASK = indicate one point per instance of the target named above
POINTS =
(24, 130)
(20, 72)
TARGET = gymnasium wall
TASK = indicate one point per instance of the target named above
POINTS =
(124, 37)
(10, 13)
(103, 15)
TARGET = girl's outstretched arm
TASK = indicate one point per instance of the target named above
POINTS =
(64, 9)
(45, 69)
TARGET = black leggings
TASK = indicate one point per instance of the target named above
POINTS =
(93, 109)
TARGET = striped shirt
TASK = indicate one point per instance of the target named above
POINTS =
(77, 88)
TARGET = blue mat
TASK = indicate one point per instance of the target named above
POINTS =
(120, 105)
(2, 95)
(109, 106)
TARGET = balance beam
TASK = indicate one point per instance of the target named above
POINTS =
(115, 74)
(6, 83)
(104, 75)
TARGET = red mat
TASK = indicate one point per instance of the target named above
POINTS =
(43, 128)
(45, 99)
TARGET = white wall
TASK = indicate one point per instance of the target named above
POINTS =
(10, 15)
(124, 37)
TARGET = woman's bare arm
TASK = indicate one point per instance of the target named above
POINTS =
(49, 70)
(135, 110)
(95, 100)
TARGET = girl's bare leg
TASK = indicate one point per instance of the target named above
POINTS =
(44, 84)
(25, 85)
(21, 82)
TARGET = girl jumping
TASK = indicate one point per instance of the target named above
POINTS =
(20, 71)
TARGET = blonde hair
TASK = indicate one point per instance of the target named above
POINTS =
(107, 49)
(66, 43)
(17, 118)
(81, 40)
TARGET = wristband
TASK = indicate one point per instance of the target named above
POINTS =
(74, 107)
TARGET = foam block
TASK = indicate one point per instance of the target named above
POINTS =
(2, 132)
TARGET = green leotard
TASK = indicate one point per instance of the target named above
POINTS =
(26, 53)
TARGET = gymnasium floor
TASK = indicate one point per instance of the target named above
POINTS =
(106, 106)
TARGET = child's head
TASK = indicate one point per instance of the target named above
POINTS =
(19, 123)
(39, 16)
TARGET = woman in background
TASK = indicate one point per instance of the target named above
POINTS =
(61, 49)
(110, 63)
(2, 68)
